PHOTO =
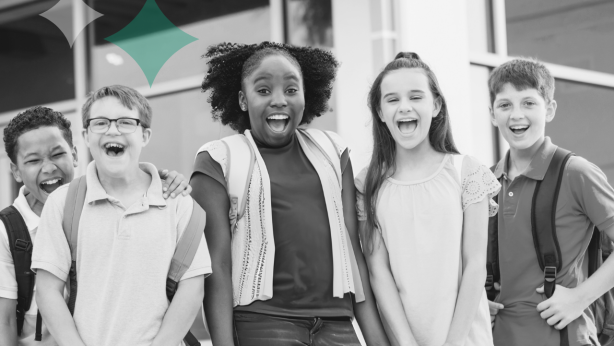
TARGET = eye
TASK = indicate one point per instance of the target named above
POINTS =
(503, 105)
(392, 99)
(263, 91)
(59, 154)
(32, 161)
(530, 103)
(292, 90)
(416, 98)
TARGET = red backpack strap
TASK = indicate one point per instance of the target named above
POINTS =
(75, 198)
(21, 251)
(492, 252)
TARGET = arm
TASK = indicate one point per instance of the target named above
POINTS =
(8, 322)
(475, 237)
(567, 304)
(53, 308)
(366, 312)
(174, 183)
(182, 312)
(212, 197)
(386, 292)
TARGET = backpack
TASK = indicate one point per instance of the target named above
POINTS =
(182, 258)
(21, 251)
(543, 227)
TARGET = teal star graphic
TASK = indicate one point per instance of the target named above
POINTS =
(151, 39)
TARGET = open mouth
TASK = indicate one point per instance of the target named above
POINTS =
(407, 126)
(278, 122)
(51, 185)
(519, 129)
(114, 149)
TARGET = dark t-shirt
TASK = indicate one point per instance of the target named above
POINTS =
(303, 270)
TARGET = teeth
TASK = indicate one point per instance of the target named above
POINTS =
(113, 145)
(277, 117)
(406, 120)
(519, 127)
(51, 182)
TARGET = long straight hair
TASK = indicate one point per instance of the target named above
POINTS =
(382, 163)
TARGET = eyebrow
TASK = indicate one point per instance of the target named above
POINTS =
(34, 153)
(411, 91)
(263, 76)
(291, 76)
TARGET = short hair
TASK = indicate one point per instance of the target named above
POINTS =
(128, 97)
(230, 63)
(32, 119)
(525, 73)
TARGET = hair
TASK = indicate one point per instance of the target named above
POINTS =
(32, 119)
(382, 163)
(522, 74)
(230, 63)
(128, 97)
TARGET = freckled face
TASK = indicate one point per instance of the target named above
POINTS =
(521, 116)
(45, 161)
(275, 100)
(408, 107)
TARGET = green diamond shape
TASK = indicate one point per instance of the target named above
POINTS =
(151, 39)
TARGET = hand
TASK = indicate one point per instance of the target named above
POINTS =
(564, 306)
(174, 183)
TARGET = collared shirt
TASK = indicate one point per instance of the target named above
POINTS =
(8, 283)
(585, 200)
(123, 257)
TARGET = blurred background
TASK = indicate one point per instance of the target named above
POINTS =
(462, 40)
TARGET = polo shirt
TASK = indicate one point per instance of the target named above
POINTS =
(8, 283)
(123, 257)
(585, 200)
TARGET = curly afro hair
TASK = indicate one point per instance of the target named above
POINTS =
(32, 119)
(230, 63)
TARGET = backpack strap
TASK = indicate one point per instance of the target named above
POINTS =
(492, 251)
(323, 141)
(75, 198)
(184, 255)
(21, 251)
(241, 159)
(545, 198)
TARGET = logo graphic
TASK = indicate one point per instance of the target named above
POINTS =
(150, 38)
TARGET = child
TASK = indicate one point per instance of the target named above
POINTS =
(39, 144)
(286, 273)
(521, 96)
(127, 236)
(423, 219)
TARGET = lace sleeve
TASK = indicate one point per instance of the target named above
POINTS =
(478, 183)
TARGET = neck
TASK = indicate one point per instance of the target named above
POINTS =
(35, 204)
(520, 159)
(415, 157)
(119, 185)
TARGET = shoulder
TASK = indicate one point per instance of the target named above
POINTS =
(58, 197)
(331, 136)
(217, 151)
(183, 204)
(579, 171)
(359, 181)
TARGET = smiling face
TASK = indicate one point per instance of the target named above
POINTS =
(274, 98)
(44, 161)
(521, 116)
(115, 153)
(407, 107)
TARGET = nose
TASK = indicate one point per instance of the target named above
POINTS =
(517, 113)
(113, 130)
(278, 99)
(49, 167)
(405, 106)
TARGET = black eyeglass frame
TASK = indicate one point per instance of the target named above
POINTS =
(88, 122)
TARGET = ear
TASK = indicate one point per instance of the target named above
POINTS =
(85, 135)
(146, 136)
(16, 173)
(75, 157)
(492, 117)
(550, 111)
(437, 108)
(381, 116)
(242, 101)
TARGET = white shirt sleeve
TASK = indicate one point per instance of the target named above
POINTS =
(8, 283)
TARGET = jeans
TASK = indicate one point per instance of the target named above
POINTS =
(252, 329)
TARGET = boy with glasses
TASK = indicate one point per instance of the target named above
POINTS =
(128, 234)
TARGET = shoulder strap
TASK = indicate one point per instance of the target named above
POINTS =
(545, 198)
(326, 146)
(75, 198)
(492, 252)
(241, 159)
(21, 251)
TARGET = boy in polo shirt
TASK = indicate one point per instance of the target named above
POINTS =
(521, 94)
(39, 143)
(127, 237)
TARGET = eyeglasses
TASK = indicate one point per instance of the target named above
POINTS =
(102, 125)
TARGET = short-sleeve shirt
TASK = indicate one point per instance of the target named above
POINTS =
(123, 258)
(585, 200)
(303, 269)
(421, 223)
(8, 283)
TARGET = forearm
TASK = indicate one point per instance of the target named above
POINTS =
(218, 307)
(598, 283)
(58, 319)
(181, 312)
(467, 302)
(8, 322)
(367, 315)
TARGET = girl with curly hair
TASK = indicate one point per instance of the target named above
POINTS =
(423, 210)
(284, 257)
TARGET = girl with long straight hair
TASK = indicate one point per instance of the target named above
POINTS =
(423, 210)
